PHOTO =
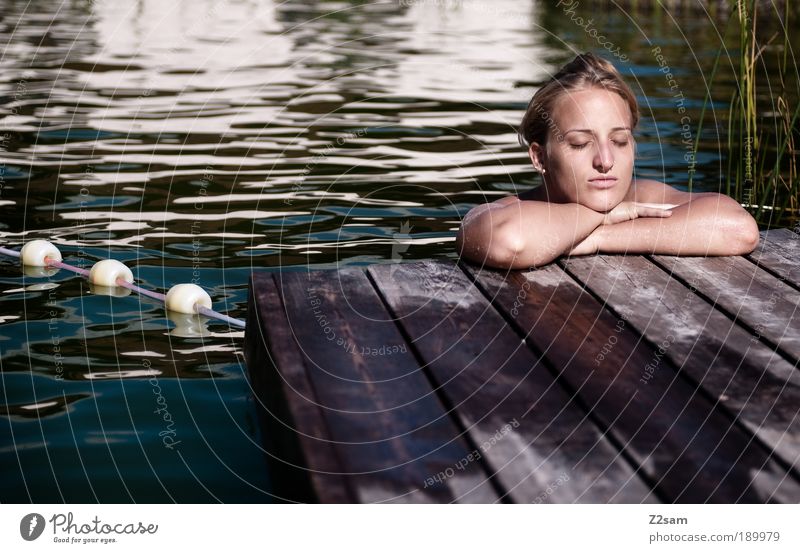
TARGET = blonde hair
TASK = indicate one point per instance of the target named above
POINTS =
(585, 71)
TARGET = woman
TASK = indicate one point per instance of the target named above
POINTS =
(578, 130)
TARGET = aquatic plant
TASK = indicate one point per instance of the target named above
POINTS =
(760, 143)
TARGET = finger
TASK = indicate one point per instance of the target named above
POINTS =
(657, 206)
(656, 213)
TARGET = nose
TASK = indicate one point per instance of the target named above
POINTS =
(604, 157)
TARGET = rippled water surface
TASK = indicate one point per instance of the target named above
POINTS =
(197, 141)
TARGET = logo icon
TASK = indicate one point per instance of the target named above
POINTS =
(401, 243)
(31, 526)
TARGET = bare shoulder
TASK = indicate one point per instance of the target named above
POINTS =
(502, 202)
(653, 191)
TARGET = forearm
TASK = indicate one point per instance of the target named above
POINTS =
(708, 225)
(526, 234)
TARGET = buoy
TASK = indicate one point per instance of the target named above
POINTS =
(184, 297)
(110, 277)
(35, 252)
(107, 271)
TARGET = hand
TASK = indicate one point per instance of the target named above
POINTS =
(589, 246)
(625, 211)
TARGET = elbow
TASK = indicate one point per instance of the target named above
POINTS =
(509, 250)
(747, 234)
(504, 248)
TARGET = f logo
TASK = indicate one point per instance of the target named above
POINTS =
(31, 526)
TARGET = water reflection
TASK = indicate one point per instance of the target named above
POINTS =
(195, 141)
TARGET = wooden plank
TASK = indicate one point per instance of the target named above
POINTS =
(759, 387)
(689, 450)
(298, 443)
(389, 427)
(547, 450)
(779, 251)
(755, 298)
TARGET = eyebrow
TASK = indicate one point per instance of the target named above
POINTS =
(589, 131)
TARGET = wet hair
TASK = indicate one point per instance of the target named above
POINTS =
(585, 71)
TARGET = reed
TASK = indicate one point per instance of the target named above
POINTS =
(761, 131)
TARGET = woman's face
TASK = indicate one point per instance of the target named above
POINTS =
(589, 155)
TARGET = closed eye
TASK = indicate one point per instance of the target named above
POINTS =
(578, 146)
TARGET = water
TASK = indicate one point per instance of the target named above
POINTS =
(198, 141)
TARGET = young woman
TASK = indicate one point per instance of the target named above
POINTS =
(578, 131)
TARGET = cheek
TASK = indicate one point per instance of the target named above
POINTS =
(571, 165)
(627, 157)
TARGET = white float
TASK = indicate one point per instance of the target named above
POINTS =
(188, 299)
(33, 253)
(107, 271)
(184, 297)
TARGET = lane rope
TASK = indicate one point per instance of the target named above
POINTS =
(182, 298)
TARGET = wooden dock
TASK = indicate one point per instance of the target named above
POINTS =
(621, 379)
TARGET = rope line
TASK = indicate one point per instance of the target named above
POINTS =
(198, 309)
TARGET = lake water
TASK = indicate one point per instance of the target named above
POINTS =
(198, 141)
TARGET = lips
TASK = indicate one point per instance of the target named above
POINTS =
(603, 183)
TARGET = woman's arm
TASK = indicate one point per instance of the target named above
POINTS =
(525, 234)
(706, 224)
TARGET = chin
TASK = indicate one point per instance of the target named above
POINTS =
(601, 203)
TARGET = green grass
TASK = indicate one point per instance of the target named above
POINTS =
(761, 146)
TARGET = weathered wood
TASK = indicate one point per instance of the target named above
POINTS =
(758, 387)
(390, 429)
(541, 445)
(763, 303)
(687, 448)
(779, 251)
(298, 443)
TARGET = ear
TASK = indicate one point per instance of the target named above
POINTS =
(537, 154)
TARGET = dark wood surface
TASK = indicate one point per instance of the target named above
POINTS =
(778, 252)
(491, 379)
(755, 385)
(596, 379)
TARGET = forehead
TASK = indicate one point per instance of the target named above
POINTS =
(592, 108)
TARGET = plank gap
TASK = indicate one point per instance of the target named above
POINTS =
(697, 386)
(576, 397)
(438, 390)
(761, 336)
